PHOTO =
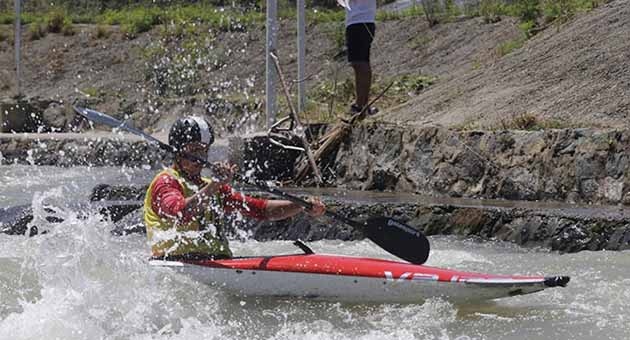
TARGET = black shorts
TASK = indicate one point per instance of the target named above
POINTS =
(359, 40)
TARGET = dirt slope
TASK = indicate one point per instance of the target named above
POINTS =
(578, 74)
(579, 71)
(65, 68)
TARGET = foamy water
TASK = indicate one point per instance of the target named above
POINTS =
(78, 281)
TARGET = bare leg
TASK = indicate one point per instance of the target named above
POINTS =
(362, 81)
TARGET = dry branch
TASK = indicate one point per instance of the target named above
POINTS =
(330, 141)
(296, 119)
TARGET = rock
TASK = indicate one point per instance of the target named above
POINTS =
(617, 165)
(588, 189)
(15, 220)
(571, 238)
(57, 118)
(259, 158)
(382, 179)
(568, 164)
(18, 220)
(469, 221)
(107, 192)
(589, 167)
(65, 151)
(131, 223)
(23, 114)
(611, 189)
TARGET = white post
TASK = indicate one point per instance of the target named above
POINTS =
(301, 28)
(270, 89)
(18, 29)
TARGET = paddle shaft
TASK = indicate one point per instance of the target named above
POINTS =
(309, 205)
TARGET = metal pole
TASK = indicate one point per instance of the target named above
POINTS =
(18, 29)
(301, 28)
(270, 89)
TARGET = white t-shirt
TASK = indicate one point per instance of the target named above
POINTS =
(361, 11)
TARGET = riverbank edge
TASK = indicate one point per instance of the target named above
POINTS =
(583, 166)
(590, 166)
(556, 229)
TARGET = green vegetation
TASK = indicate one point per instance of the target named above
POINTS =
(490, 10)
(511, 45)
(136, 19)
(543, 11)
(140, 16)
(6, 18)
(525, 121)
(561, 11)
(56, 20)
(175, 61)
(6, 35)
(336, 32)
(318, 16)
(530, 122)
(342, 94)
(442, 11)
(411, 12)
(36, 30)
(540, 12)
(92, 92)
(534, 16)
(420, 41)
(102, 32)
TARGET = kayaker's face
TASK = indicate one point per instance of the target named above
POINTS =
(192, 168)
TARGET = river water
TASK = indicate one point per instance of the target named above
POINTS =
(78, 281)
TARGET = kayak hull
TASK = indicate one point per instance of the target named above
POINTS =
(351, 279)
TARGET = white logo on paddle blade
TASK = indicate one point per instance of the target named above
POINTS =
(393, 223)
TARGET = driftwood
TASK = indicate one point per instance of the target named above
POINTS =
(300, 129)
(327, 145)
(330, 142)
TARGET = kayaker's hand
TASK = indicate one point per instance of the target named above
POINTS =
(318, 208)
(224, 171)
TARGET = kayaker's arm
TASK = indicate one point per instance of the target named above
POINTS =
(168, 199)
(281, 209)
(198, 202)
(265, 209)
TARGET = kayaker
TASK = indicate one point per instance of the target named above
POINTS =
(183, 211)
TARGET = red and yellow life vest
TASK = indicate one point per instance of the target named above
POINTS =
(170, 236)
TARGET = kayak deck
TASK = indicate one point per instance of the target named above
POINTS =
(355, 279)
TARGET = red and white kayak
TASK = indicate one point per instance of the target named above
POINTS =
(354, 279)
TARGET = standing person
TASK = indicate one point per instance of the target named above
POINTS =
(183, 211)
(360, 29)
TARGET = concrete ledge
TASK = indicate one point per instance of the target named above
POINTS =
(70, 149)
(560, 227)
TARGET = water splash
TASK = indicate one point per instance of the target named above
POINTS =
(78, 281)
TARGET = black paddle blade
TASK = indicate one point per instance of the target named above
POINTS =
(398, 238)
